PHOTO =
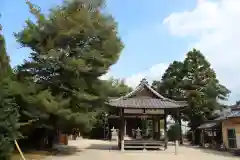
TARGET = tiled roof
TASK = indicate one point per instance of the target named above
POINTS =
(143, 84)
(211, 124)
(234, 114)
(229, 115)
(235, 107)
(143, 103)
(222, 117)
(129, 101)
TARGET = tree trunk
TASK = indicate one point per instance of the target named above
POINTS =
(50, 139)
(193, 137)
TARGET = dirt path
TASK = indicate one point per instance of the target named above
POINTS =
(101, 150)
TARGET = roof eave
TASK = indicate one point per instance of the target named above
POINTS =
(143, 84)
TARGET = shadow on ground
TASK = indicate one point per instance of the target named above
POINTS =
(113, 147)
(212, 151)
(103, 147)
(66, 150)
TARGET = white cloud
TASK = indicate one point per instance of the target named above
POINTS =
(153, 73)
(215, 26)
(106, 76)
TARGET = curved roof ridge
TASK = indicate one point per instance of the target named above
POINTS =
(159, 95)
(155, 92)
(140, 86)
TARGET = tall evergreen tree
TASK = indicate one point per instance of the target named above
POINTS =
(195, 81)
(201, 87)
(72, 48)
(8, 107)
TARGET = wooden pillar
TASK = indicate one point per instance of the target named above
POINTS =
(119, 134)
(122, 129)
(180, 124)
(193, 137)
(212, 138)
(158, 129)
(153, 128)
(203, 137)
(125, 127)
(165, 130)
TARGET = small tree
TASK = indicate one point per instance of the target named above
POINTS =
(174, 132)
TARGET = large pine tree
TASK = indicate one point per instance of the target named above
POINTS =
(71, 49)
(8, 107)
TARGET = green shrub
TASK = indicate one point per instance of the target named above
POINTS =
(174, 132)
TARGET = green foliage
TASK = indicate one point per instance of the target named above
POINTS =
(8, 108)
(201, 87)
(238, 102)
(5, 68)
(194, 81)
(116, 88)
(8, 120)
(170, 84)
(173, 132)
(111, 88)
(71, 49)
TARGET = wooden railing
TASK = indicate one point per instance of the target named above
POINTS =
(143, 144)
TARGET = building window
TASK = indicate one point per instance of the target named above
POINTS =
(231, 138)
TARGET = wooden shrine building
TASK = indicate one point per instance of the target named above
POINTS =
(146, 104)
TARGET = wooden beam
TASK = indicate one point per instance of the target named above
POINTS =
(125, 127)
(153, 128)
(122, 129)
(144, 111)
(158, 128)
(180, 124)
(165, 131)
(134, 116)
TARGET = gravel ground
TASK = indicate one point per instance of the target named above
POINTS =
(102, 150)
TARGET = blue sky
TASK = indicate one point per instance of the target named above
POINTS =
(139, 23)
(149, 43)
(146, 39)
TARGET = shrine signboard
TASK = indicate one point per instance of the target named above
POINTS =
(134, 111)
(144, 111)
(154, 111)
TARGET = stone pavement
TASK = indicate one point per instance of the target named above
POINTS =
(102, 150)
